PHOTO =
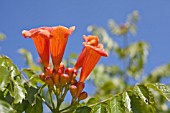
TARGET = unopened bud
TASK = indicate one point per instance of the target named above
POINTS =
(74, 81)
(62, 67)
(73, 90)
(64, 78)
(75, 72)
(49, 80)
(80, 87)
(42, 76)
(82, 96)
(56, 79)
(74, 76)
(48, 71)
(69, 72)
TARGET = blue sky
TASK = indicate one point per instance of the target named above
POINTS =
(153, 26)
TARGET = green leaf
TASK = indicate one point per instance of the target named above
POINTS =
(4, 77)
(21, 107)
(7, 63)
(31, 95)
(6, 108)
(138, 105)
(100, 108)
(73, 55)
(83, 109)
(33, 78)
(29, 61)
(158, 73)
(137, 53)
(162, 89)
(2, 36)
(37, 108)
(132, 19)
(147, 97)
(127, 102)
(92, 101)
(115, 105)
(19, 91)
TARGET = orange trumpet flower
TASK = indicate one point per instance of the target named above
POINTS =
(58, 43)
(40, 37)
(89, 57)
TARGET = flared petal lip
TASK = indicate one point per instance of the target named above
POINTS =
(99, 49)
(43, 31)
(68, 31)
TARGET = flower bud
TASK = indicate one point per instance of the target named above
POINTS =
(74, 76)
(48, 71)
(69, 72)
(49, 80)
(80, 87)
(42, 76)
(74, 81)
(82, 96)
(64, 78)
(56, 79)
(62, 67)
(75, 72)
(73, 90)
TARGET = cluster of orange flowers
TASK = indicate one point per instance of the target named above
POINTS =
(52, 41)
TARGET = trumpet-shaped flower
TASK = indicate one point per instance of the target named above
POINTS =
(90, 55)
(58, 43)
(40, 37)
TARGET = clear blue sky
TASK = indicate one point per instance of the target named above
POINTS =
(153, 26)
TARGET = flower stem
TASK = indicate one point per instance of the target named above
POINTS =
(49, 106)
(100, 102)
(51, 98)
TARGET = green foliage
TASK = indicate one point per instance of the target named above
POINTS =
(15, 90)
(6, 108)
(83, 109)
(2, 36)
(29, 61)
(139, 99)
(158, 73)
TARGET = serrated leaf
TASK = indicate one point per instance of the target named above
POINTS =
(29, 61)
(146, 96)
(92, 101)
(158, 73)
(6, 108)
(19, 91)
(29, 72)
(162, 89)
(100, 108)
(83, 109)
(139, 92)
(115, 105)
(31, 95)
(137, 53)
(33, 78)
(127, 102)
(37, 108)
(138, 105)
(21, 107)
(4, 77)
(7, 63)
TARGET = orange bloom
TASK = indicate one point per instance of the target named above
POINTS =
(89, 57)
(58, 43)
(40, 37)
